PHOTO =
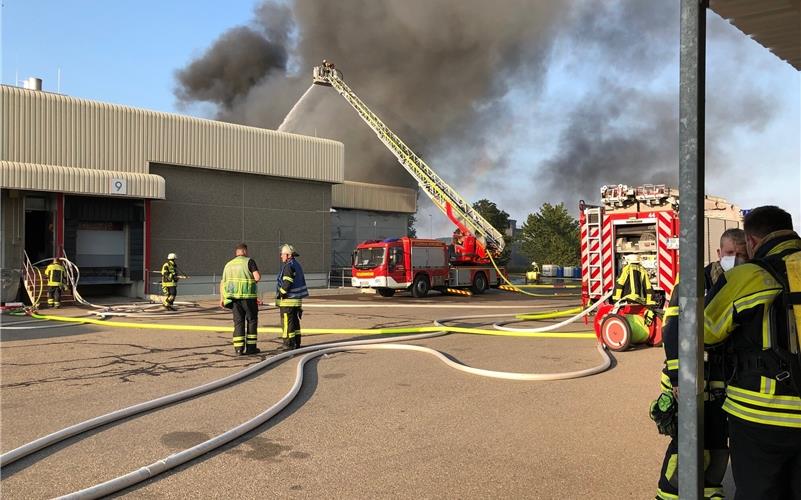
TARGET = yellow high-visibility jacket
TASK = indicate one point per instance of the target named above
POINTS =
(736, 311)
(55, 274)
(634, 284)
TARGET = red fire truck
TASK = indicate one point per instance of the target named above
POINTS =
(417, 265)
(638, 225)
(420, 265)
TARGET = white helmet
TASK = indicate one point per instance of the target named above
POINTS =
(171, 256)
(289, 250)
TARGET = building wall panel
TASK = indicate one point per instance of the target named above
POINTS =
(46, 128)
(207, 212)
(362, 196)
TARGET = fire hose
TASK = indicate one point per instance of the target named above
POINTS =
(440, 328)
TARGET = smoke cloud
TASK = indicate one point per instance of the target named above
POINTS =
(236, 63)
(430, 70)
(625, 127)
(447, 77)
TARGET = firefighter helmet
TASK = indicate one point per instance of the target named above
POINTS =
(289, 250)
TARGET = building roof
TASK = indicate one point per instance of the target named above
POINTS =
(44, 128)
(775, 24)
(54, 178)
(381, 198)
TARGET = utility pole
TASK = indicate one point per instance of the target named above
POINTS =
(692, 76)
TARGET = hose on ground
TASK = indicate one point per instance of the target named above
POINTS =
(308, 353)
(176, 459)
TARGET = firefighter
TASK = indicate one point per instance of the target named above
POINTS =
(746, 309)
(456, 243)
(665, 412)
(290, 290)
(56, 275)
(238, 292)
(731, 252)
(633, 285)
(169, 282)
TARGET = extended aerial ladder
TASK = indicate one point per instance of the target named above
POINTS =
(459, 211)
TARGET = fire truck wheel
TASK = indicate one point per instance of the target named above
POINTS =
(420, 286)
(479, 283)
(616, 333)
(386, 292)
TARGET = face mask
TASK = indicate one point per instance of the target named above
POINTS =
(727, 262)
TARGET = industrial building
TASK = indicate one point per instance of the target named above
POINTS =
(116, 188)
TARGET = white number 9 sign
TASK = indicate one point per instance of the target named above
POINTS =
(118, 186)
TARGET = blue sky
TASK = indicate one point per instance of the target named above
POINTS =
(127, 52)
(123, 52)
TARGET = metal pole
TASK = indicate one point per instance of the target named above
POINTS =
(690, 290)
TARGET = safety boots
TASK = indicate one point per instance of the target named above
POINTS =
(292, 342)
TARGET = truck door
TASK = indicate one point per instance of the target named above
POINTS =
(396, 267)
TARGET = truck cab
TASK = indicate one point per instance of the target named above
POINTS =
(399, 264)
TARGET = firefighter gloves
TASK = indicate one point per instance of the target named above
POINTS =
(665, 413)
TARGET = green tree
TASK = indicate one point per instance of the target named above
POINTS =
(411, 231)
(551, 236)
(499, 220)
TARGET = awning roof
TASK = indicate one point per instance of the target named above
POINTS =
(775, 24)
(89, 181)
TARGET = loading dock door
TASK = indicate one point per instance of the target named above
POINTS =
(38, 229)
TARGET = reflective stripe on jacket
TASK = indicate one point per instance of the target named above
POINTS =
(168, 277)
(736, 311)
(291, 284)
(633, 284)
(237, 280)
(714, 369)
(55, 274)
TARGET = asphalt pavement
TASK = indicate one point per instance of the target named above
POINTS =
(377, 424)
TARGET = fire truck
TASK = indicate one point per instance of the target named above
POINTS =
(639, 225)
(418, 265)
(424, 264)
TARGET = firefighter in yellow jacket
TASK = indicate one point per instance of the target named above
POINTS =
(238, 292)
(633, 285)
(751, 308)
(56, 279)
(169, 282)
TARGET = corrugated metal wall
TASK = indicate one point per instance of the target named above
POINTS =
(362, 196)
(351, 227)
(53, 178)
(45, 128)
